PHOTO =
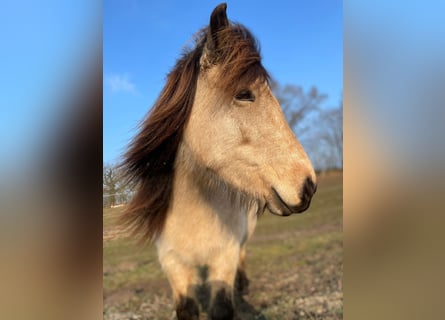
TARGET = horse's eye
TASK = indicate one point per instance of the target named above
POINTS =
(245, 95)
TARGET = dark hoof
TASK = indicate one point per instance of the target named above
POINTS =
(241, 283)
(222, 307)
(187, 309)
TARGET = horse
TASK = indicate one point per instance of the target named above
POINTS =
(214, 152)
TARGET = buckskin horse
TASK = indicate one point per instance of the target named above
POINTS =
(213, 153)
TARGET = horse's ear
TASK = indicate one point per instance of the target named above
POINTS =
(218, 21)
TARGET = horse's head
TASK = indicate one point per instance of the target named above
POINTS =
(236, 128)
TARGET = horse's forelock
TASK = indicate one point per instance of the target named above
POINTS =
(238, 56)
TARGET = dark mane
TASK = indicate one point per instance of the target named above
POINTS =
(149, 163)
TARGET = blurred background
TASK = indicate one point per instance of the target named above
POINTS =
(51, 203)
(51, 157)
(394, 159)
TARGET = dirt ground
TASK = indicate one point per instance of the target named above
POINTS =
(294, 264)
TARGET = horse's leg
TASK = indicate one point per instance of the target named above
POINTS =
(242, 282)
(182, 280)
(221, 277)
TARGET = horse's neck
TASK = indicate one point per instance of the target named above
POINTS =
(201, 195)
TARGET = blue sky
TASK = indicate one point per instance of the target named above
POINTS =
(301, 43)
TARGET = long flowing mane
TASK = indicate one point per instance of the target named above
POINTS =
(149, 163)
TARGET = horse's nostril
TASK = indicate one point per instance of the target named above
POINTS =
(309, 188)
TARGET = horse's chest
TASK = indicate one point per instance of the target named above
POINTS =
(203, 235)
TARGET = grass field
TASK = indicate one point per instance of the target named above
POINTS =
(294, 265)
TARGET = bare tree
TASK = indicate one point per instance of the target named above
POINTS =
(115, 191)
(325, 142)
(110, 185)
(332, 121)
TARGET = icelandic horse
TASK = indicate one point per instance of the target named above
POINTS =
(213, 153)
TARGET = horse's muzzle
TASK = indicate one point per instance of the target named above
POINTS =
(285, 209)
